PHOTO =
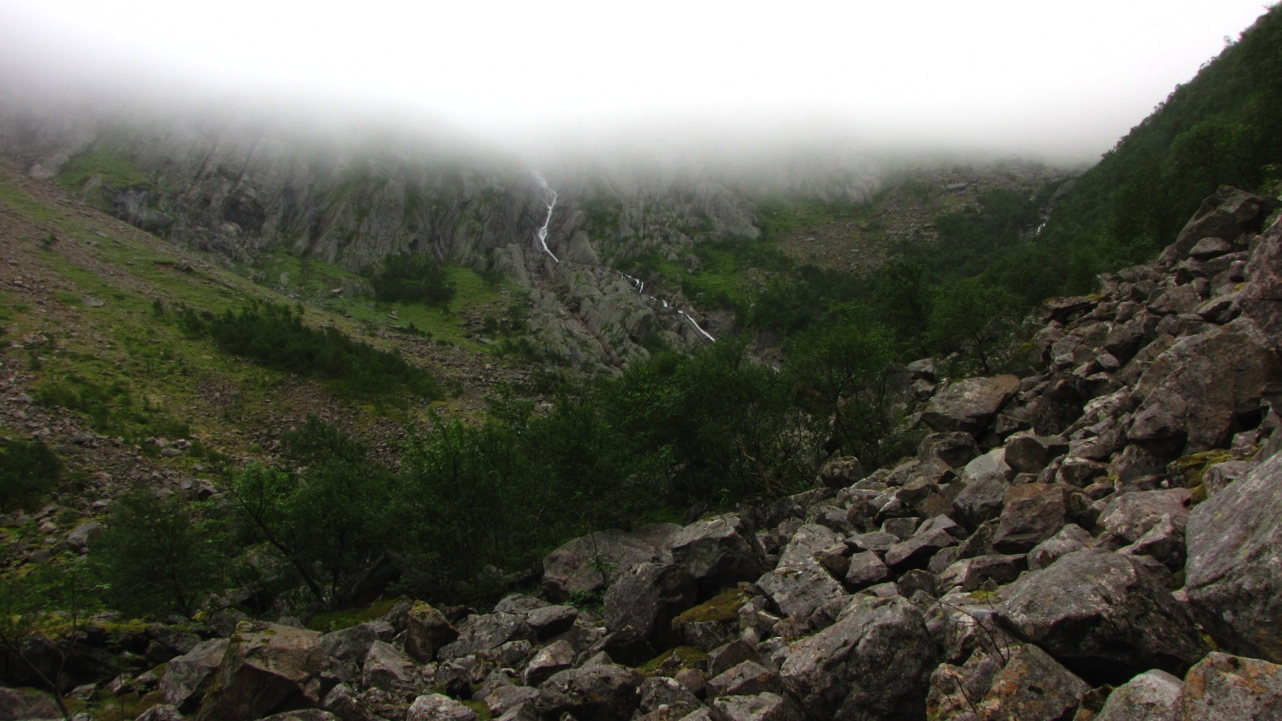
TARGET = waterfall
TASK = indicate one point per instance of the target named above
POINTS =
(705, 333)
(542, 234)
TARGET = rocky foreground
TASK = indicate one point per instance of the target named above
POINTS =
(1101, 540)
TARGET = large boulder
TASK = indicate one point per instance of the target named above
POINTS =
(718, 552)
(427, 631)
(485, 633)
(1128, 516)
(1202, 389)
(1103, 615)
(873, 663)
(1227, 214)
(648, 598)
(1234, 566)
(267, 667)
(1031, 513)
(800, 590)
(1022, 683)
(1261, 298)
(1222, 687)
(591, 563)
(21, 704)
(969, 405)
(1152, 695)
(188, 676)
(764, 706)
(596, 692)
(438, 707)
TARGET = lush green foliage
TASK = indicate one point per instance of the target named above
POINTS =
(412, 278)
(327, 515)
(275, 336)
(1222, 127)
(28, 470)
(159, 556)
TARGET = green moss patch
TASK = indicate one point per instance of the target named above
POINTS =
(673, 660)
(339, 620)
(721, 609)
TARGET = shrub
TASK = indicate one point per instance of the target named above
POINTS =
(28, 470)
(412, 278)
(159, 556)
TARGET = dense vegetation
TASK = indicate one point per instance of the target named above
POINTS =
(412, 279)
(1222, 127)
(28, 470)
(276, 337)
(473, 507)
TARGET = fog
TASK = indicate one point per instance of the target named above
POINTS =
(1057, 82)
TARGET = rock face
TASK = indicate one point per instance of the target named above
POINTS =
(266, 666)
(1231, 687)
(969, 405)
(591, 563)
(603, 692)
(188, 676)
(873, 663)
(1103, 614)
(1151, 695)
(718, 553)
(1234, 568)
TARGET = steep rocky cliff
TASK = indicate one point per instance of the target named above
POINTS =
(353, 196)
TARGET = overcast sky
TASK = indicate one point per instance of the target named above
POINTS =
(1062, 80)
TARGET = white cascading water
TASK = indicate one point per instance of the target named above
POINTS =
(637, 283)
(542, 234)
(705, 333)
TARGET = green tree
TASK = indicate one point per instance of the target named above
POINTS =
(28, 469)
(412, 278)
(159, 556)
(843, 371)
(971, 317)
(328, 516)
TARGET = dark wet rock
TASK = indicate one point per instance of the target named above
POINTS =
(1057, 407)
(979, 501)
(17, 704)
(955, 448)
(1104, 615)
(1028, 453)
(841, 472)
